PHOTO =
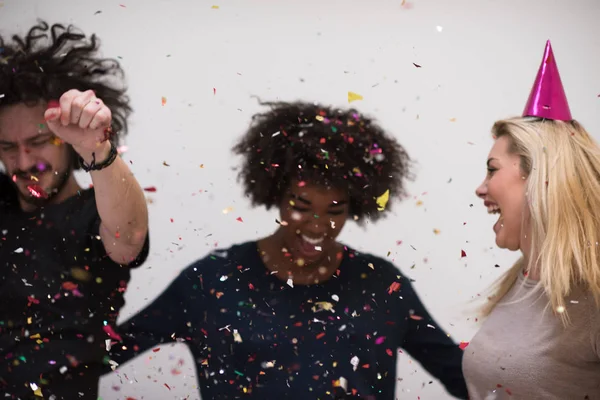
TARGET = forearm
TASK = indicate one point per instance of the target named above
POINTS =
(121, 206)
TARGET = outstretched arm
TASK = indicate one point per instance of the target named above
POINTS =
(427, 343)
(82, 120)
(165, 319)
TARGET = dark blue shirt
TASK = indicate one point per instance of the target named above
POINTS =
(255, 336)
(58, 292)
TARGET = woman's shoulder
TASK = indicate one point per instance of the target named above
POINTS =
(363, 262)
(223, 261)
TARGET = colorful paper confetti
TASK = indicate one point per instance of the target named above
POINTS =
(354, 97)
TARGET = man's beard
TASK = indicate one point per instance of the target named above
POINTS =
(36, 199)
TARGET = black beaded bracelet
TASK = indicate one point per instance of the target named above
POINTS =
(93, 166)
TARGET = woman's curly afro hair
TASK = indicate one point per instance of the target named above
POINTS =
(322, 145)
(49, 61)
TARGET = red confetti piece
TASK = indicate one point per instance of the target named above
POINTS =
(37, 191)
(239, 219)
(69, 285)
(394, 287)
(463, 345)
(416, 317)
(463, 253)
(214, 90)
(111, 332)
(320, 335)
(167, 386)
(150, 189)
(251, 286)
(156, 350)
(389, 352)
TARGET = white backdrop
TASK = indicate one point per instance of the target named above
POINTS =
(477, 59)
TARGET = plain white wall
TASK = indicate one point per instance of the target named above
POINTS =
(478, 60)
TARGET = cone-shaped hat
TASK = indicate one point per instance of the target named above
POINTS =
(547, 99)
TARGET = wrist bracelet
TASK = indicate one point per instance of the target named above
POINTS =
(93, 166)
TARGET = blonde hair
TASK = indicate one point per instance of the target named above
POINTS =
(561, 162)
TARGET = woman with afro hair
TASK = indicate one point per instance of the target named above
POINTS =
(297, 314)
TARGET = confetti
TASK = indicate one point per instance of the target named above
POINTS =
(215, 7)
(383, 200)
(463, 345)
(290, 282)
(150, 189)
(436, 231)
(236, 336)
(111, 333)
(227, 210)
(417, 65)
(1, 96)
(163, 100)
(394, 287)
(37, 191)
(353, 97)
(239, 219)
(463, 253)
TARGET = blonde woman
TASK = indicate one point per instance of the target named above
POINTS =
(541, 335)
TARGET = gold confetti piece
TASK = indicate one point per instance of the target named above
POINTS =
(201, 165)
(236, 336)
(215, 7)
(419, 203)
(353, 97)
(436, 231)
(227, 210)
(81, 274)
(36, 336)
(323, 306)
(383, 200)
(452, 119)
(163, 100)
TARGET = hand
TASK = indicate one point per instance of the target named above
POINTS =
(81, 120)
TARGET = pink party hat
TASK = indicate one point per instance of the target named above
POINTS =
(547, 99)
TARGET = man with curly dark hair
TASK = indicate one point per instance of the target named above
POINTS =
(65, 252)
(297, 314)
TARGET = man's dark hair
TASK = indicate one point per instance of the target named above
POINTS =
(322, 145)
(49, 61)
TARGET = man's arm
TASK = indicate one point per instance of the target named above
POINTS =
(427, 343)
(83, 121)
(121, 207)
